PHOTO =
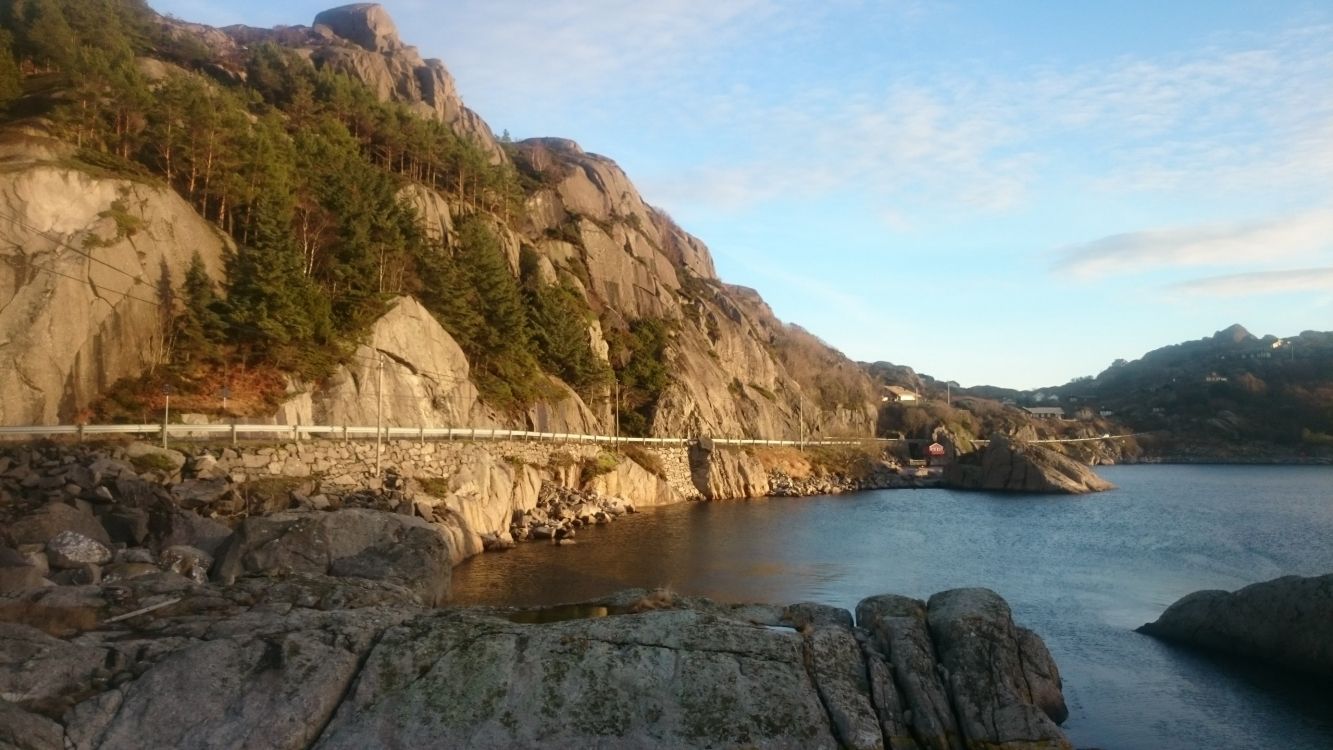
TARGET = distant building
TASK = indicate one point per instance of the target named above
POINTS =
(900, 395)
(1047, 412)
(1106, 413)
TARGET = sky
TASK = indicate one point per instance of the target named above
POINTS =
(1006, 193)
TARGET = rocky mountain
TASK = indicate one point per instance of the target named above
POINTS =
(345, 204)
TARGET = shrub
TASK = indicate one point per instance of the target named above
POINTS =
(602, 463)
(152, 462)
(434, 486)
(645, 458)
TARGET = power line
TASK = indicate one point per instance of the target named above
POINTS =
(66, 245)
(91, 283)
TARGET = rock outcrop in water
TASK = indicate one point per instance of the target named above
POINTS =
(312, 661)
(1013, 466)
(1285, 622)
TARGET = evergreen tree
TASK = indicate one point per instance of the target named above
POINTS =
(199, 326)
(11, 81)
(558, 319)
(47, 39)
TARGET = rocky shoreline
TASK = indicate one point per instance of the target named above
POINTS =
(79, 514)
(304, 660)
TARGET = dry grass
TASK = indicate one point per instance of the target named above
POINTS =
(789, 461)
(645, 458)
(660, 598)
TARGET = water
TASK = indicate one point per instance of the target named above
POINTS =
(1083, 572)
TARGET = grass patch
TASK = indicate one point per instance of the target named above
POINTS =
(602, 463)
(844, 460)
(561, 460)
(645, 458)
(152, 462)
(434, 486)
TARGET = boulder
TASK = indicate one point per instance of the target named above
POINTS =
(1283, 623)
(170, 526)
(913, 697)
(667, 678)
(50, 520)
(126, 525)
(156, 455)
(17, 573)
(200, 493)
(42, 673)
(354, 542)
(24, 730)
(988, 681)
(1012, 466)
(365, 24)
(70, 549)
(191, 562)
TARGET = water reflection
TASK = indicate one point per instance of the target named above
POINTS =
(1083, 572)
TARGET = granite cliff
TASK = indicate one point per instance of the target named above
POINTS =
(579, 225)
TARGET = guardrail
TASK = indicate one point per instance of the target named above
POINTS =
(238, 432)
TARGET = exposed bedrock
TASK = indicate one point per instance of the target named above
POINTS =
(315, 661)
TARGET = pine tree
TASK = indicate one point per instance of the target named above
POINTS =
(11, 81)
(199, 327)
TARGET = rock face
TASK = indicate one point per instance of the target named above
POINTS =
(726, 474)
(997, 688)
(352, 542)
(736, 370)
(632, 481)
(1007, 465)
(426, 377)
(1283, 622)
(80, 258)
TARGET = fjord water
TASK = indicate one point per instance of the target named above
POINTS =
(1083, 572)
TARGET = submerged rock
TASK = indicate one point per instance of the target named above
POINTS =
(1014, 466)
(1285, 622)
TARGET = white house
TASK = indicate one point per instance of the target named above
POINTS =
(900, 395)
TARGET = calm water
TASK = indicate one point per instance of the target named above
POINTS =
(1082, 572)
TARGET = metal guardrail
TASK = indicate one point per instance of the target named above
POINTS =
(237, 432)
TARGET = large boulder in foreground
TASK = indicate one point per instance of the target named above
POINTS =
(1012, 466)
(354, 542)
(1285, 622)
(327, 662)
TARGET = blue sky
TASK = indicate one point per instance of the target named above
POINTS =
(1013, 193)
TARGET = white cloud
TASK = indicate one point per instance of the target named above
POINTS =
(1259, 283)
(1297, 236)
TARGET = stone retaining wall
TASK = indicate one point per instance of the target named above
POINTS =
(351, 464)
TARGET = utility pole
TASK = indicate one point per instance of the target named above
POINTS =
(379, 413)
(166, 412)
(800, 419)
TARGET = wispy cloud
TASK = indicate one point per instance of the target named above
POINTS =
(1259, 283)
(1280, 238)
